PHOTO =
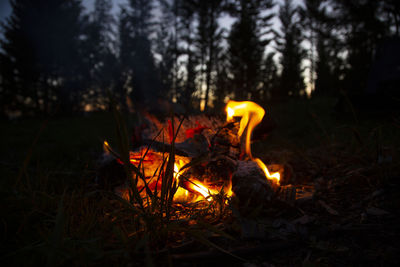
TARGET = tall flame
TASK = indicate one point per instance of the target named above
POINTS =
(251, 115)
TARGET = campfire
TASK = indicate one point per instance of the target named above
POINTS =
(210, 159)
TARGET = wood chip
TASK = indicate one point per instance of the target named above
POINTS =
(305, 219)
(328, 208)
(376, 212)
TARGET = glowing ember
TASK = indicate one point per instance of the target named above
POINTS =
(194, 186)
(251, 115)
(189, 188)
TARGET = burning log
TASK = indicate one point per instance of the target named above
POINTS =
(191, 147)
(191, 125)
(226, 140)
(250, 186)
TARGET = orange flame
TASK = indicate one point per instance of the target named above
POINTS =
(106, 148)
(251, 115)
(275, 175)
(194, 185)
(181, 193)
(202, 189)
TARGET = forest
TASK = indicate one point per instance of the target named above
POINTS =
(56, 57)
(200, 133)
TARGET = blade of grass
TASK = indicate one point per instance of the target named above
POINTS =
(123, 143)
(56, 238)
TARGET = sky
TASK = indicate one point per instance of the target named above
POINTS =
(5, 9)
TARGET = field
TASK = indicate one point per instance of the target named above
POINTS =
(53, 214)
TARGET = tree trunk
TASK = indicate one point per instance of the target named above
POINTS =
(210, 57)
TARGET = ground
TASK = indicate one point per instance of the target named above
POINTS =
(53, 214)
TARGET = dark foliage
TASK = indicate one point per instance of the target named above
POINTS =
(246, 49)
(41, 58)
(292, 53)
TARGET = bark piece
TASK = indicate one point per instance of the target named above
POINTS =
(250, 185)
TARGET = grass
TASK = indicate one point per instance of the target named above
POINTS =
(55, 216)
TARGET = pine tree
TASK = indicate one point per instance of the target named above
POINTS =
(246, 49)
(124, 46)
(209, 37)
(41, 54)
(164, 47)
(310, 23)
(136, 57)
(222, 83)
(169, 48)
(363, 24)
(100, 49)
(324, 50)
(325, 80)
(187, 17)
(270, 77)
(289, 45)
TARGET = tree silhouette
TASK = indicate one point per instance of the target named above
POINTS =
(41, 56)
(168, 46)
(292, 53)
(246, 51)
(324, 47)
(270, 77)
(187, 15)
(209, 37)
(136, 57)
(362, 25)
(100, 54)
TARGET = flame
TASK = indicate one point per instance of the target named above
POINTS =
(275, 175)
(202, 189)
(251, 115)
(194, 185)
(106, 148)
(177, 165)
(181, 193)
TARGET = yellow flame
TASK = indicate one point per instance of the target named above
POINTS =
(229, 112)
(202, 189)
(270, 176)
(181, 194)
(176, 171)
(251, 115)
(106, 147)
(195, 185)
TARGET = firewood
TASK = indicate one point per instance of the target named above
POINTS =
(250, 185)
